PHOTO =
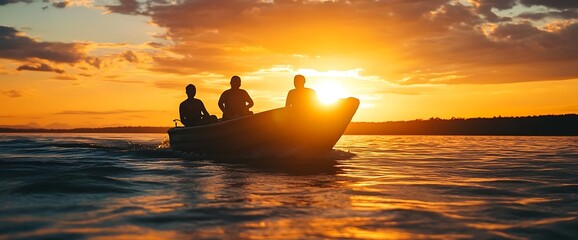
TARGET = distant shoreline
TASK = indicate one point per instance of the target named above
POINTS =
(545, 125)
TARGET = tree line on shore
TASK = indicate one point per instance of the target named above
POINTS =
(545, 125)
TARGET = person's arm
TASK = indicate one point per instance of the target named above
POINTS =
(222, 102)
(289, 100)
(204, 110)
(182, 114)
(249, 101)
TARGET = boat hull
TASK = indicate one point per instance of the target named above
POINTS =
(285, 130)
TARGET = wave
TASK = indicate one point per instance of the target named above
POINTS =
(76, 184)
(160, 150)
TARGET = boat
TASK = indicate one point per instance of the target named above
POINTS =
(284, 131)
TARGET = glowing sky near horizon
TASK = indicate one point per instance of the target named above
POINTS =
(107, 63)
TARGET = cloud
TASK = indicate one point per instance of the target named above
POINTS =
(239, 36)
(41, 67)
(551, 14)
(485, 8)
(126, 7)
(180, 85)
(114, 112)
(60, 4)
(6, 2)
(95, 62)
(405, 42)
(12, 93)
(558, 4)
(409, 42)
(65, 78)
(130, 56)
(14, 45)
(135, 7)
(118, 56)
(497, 4)
(33, 55)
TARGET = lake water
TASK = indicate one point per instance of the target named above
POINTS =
(130, 186)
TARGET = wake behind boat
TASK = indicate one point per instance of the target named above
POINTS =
(290, 131)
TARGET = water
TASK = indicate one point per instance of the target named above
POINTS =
(103, 186)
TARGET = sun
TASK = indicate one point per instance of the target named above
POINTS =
(329, 92)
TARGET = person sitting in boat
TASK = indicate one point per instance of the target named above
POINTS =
(235, 102)
(300, 96)
(193, 111)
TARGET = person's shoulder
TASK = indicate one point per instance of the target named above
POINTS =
(224, 95)
(311, 90)
(186, 101)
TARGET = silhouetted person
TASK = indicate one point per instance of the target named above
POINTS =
(193, 111)
(300, 96)
(235, 102)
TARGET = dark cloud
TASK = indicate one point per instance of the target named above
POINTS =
(558, 4)
(40, 68)
(497, 4)
(5, 2)
(569, 14)
(12, 93)
(126, 7)
(510, 53)
(156, 45)
(130, 57)
(515, 32)
(14, 45)
(60, 4)
(95, 62)
(485, 8)
(559, 47)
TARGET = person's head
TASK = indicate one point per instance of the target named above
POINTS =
(299, 81)
(235, 82)
(191, 90)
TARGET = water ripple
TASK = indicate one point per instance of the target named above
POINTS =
(371, 187)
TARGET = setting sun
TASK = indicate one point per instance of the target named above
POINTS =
(329, 92)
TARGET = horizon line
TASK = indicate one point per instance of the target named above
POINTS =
(25, 127)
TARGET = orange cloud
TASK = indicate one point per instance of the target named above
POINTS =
(12, 93)
(408, 42)
(404, 42)
(41, 67)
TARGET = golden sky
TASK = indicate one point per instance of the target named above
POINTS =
(95, 63)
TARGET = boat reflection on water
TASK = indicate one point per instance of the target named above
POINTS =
(253, 201)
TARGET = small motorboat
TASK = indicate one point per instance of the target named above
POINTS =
(287, 131)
